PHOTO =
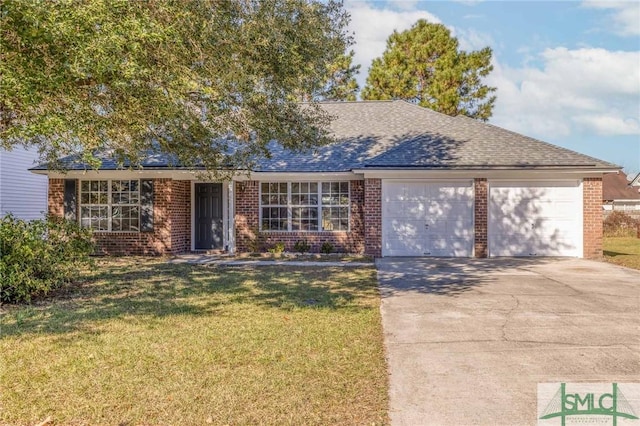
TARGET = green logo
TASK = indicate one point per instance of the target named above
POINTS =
(565, 404)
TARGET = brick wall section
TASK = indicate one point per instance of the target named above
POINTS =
(247, 197)
(157, 242)
(248, 215)
(592, 217)
(55, 197)
(180, 209)
(373, 217)
(481, 217)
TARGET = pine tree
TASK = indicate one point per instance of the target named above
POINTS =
(424, 65)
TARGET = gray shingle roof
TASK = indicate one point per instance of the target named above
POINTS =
(400, 135)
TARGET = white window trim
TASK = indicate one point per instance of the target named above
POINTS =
(290, 206)
(110, 205)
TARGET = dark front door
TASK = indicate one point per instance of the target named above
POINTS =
(208, 216)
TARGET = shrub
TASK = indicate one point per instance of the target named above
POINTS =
(277, 248)
(39, 256)
(257, 241)
(327, 248)
(301, 246)
(619, 224)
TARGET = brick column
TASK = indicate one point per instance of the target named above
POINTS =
(373, 217)
(480, 211)
(592, 217)
(246, 213)
(55, 197)
(180, 216)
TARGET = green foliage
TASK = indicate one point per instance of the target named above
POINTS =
(39, 256)
(342, 84)
(137, 77)
(302, 246)
(424, 65)
(257, 240)
(278, 248)
(326, 248)
(619, 224)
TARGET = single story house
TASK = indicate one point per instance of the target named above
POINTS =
(400, 180)
(618, 194)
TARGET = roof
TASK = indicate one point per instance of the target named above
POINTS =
(616, 186)
(401, 135)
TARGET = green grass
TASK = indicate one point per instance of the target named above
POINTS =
(623, 251)
(143, 342)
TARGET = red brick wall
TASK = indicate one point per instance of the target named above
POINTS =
(247, 198)
(592, 217)
(157, 242)
(180, 216)
(248, 215)
(480, 217)
(373, 217)
(55, 197)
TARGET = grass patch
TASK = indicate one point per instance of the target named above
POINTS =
(623, 251)
(144, 342)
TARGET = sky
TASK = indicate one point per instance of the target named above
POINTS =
(566, 72)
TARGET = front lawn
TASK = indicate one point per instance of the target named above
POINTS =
(144, 342)
(623, 251)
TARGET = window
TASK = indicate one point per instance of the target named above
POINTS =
(304, 206)
(335, 206)
(110, 205)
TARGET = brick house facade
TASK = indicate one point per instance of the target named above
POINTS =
(172, 225)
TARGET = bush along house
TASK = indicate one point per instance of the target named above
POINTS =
(400, 180)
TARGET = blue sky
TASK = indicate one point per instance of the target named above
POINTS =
(567, 72)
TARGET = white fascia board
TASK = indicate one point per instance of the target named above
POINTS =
(488, 174)
(197, 175)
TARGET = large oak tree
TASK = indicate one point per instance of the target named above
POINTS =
(208, 82)
(425, 65)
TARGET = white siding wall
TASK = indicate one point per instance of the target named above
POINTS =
(22, 193)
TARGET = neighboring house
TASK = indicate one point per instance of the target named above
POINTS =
(22, 193)
(618, 194)
(636, 182)
(401, 180)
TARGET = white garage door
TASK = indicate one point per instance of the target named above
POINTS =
(427, 218)
(535, 219)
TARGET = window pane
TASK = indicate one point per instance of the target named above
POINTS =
(283, 188)
(344, 187)
(264, 187)
(295, 187)
(313, 187)
(265, 199)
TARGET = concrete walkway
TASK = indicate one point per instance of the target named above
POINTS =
(468, 340)
(205, 259)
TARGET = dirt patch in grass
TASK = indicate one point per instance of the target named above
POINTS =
(144, 342)
(623, 251)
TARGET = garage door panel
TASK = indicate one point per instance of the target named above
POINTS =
(535, 219)
(427, 218)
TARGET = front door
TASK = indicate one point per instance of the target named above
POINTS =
(208, 216)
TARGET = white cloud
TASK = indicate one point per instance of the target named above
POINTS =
(625, 15)
(372, 26)
(470, 39)
(574, 91)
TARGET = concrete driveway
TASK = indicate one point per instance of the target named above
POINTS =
(468, 340)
